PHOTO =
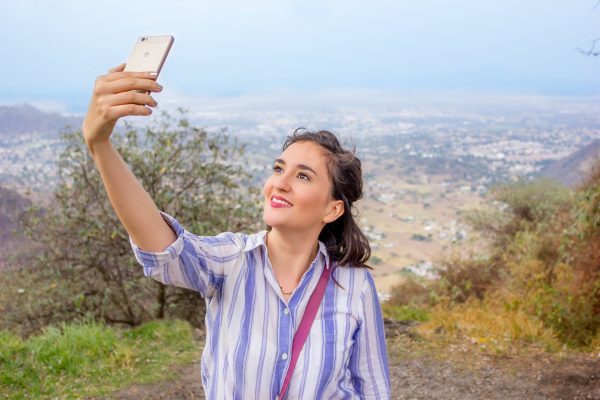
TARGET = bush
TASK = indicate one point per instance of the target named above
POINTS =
(463, 277)
(411, 293)
(519, 207)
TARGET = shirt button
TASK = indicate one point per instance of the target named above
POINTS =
(284, 356)
(286, 311)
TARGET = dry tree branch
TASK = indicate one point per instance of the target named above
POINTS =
(592, 51)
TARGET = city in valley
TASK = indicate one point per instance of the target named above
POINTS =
(426, 160)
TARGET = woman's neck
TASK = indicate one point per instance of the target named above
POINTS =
(291, 255)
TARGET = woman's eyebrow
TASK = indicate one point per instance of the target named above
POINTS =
(301, 166)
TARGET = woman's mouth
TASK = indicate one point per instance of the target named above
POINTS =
(279, 202)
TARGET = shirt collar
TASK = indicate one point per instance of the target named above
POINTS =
(258, 239)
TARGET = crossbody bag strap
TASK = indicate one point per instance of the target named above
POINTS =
(305, 324)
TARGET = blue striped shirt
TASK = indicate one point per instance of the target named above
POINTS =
(250, 326)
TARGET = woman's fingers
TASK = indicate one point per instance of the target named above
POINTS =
(126, 84)
(131, 97)
(113, 76)
(114, 106)
(113, 113)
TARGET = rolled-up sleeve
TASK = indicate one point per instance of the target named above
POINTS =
(194, 262)
(368, 362)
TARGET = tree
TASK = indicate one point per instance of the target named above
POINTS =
(88, 268)
(592, 50)
(522, 206)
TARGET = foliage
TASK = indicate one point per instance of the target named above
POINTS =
(412, 293)
(490, 323)
(89, 359)
(542, 264)
(463, 278)
(405, 312)
(518, 207)
(375, 260)
(87, 268)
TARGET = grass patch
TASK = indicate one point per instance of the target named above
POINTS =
(404, 312)
(91, 359)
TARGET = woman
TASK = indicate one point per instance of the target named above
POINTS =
(257, 286)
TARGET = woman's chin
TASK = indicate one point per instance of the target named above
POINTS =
(275, 222)
(272, 222)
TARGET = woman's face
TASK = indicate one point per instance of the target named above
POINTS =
(297, 194)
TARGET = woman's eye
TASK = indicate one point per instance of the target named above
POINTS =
(305, 176)
(276, 168)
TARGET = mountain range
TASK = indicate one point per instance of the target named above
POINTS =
(25, 118)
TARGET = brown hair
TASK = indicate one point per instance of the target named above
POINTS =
(346, 243)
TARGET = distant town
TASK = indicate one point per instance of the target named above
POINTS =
(423, 166)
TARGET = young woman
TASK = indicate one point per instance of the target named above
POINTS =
(257, 286)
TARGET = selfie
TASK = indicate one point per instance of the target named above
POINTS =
(300, 201)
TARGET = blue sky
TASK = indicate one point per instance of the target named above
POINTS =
(53, 50)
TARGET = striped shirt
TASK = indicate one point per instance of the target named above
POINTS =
(250, 326)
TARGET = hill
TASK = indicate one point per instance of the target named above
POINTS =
(25, 118)
(572, 170)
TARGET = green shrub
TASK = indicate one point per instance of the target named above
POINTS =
(405, 313)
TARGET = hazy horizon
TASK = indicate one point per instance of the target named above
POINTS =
(232, 49)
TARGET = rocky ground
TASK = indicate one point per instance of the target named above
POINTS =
(459, 371)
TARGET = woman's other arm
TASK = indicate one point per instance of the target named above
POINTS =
(116, 95)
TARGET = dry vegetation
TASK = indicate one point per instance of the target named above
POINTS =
(536, 284)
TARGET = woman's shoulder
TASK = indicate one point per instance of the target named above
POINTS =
(357, 278)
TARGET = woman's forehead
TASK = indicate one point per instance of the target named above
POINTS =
(306, 153)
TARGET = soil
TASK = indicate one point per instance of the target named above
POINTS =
(419, 371)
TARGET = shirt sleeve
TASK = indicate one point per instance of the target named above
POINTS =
(194, 262)
(368, 362)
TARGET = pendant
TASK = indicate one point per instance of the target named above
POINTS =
(283, 291)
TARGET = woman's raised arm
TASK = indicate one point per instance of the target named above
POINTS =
(115, 95)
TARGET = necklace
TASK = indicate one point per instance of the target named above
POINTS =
(281, 287)
(283, 291)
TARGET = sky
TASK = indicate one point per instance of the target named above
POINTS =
(54, 50)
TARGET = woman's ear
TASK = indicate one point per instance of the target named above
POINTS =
(336, 210)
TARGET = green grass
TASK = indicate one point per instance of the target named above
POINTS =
(91, 359)
(405, 312)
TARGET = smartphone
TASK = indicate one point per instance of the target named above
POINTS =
(149, 54)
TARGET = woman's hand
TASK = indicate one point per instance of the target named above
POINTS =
(116, 95)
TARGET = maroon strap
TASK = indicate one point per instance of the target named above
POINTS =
(305, 324)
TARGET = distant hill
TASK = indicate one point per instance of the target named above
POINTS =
(25, 118)
(573, 169)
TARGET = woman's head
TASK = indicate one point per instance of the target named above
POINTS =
(317, 182)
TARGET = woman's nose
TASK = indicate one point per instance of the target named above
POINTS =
(282, 182)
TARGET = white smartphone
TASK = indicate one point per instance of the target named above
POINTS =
(149, 53)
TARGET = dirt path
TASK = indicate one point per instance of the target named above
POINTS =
(459, 373)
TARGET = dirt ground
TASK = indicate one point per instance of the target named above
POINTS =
(456, 372)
